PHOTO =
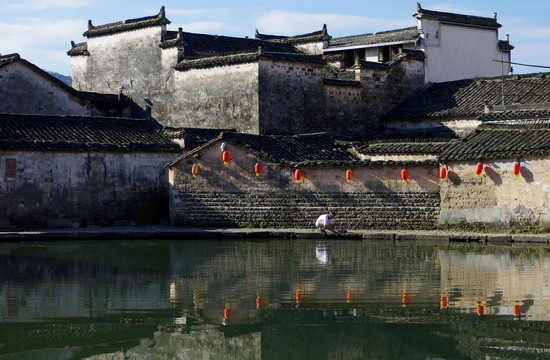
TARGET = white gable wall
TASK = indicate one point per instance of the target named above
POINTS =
(456, 52)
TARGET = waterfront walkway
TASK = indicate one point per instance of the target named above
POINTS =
(188, 233)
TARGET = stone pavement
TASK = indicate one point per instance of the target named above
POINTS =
(189, 233)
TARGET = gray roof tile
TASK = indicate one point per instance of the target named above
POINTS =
(127, 25)
(467, 98)
(409, 34)
(80, 133)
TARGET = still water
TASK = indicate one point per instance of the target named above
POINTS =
(273, 299)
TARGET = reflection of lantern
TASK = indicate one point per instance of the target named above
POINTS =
(258, 169)
(225, 157)
(195, 170)
(298, 175)
(516, 169)
(444, 301)
(299, 295)
(443, 174)
(405, 298)
(349, 175)
(349, 296)
(259, 301)
(517, 308)
(227, 312)
(404, 175)
(479, 169)
(480, 309)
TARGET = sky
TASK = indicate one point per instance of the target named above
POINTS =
(41, 31)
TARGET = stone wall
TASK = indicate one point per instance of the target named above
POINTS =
(223, 97)
(130, 62)
(290, 97)
(100, 187)
(376, 197)
(497, 200)
(25, 91)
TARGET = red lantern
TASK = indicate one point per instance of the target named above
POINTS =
(444, 301)
(259, 301)
(404, 175)
(349, 175)
(258, 169)
(479, 169)
(227, 313)
(225, 157)
(517, 308)
(195, 170)
(298, 175)
(516, 169)
(480, 308)
(443, 174)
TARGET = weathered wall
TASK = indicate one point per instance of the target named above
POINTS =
(385, 87)
(130, 62)
(497, 200)
(100, 186)
(291, 97)
(222, 97)
(24, 91)
(232, 194)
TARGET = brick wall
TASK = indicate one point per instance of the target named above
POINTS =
(365, 210)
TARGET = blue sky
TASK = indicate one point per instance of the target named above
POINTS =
(41, 30)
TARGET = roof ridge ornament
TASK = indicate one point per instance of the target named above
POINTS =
(418, 7)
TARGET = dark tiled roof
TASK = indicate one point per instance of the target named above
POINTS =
(340, 77)
(404, 146)
(401, 35)
(530, 114)
(80, 133)
(78, 49)
(503, 139)
(208, 45)
(457, 18)
(315, 36)
(8, 59)
(505, 45)
(467, 98)
(244, 57)
(127, 25)
(193, 137)
(295, 150)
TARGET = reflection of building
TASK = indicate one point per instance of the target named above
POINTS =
(498, 281)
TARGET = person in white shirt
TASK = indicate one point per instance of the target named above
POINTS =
(324, 222)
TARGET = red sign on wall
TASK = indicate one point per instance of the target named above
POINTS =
(11, 170)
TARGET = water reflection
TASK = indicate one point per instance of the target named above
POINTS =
(284, 299)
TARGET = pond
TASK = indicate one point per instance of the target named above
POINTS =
(273, 299)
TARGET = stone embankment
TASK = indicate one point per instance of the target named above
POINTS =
(188, 233)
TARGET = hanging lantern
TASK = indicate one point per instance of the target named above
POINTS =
(517, 308)
(443, 174)
(298, 175)
(516, 169)
(480, 309)
(258, 169)
(404, 175)
(225, 157)
(349, 175)
(195, 170)
(479, 169)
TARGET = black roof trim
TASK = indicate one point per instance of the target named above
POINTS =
(127, 25)
(457, 18)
